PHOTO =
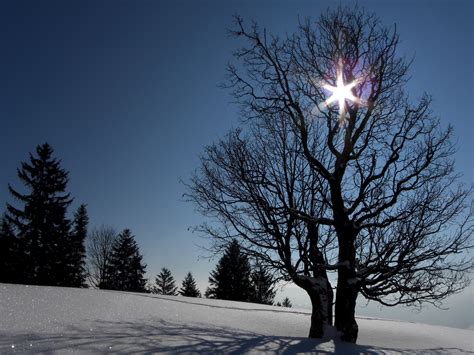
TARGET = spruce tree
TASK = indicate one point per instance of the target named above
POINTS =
(9, 254)
(231, 278)
(77, 250)
(41, 222)
(125, 270)
(164, 283)
(262, 290)
(189, 287)
(286, 303)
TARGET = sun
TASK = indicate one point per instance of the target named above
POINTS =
(340, 93)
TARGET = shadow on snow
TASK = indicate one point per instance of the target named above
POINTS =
(168, 337)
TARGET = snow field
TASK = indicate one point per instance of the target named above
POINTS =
(67, 320)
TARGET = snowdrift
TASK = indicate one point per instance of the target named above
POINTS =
(66, 320)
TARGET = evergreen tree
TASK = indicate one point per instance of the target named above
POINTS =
(262, 290)
(189, 287)
(209, 293)
(286, 303)
(77, 250)
(41, 222)
(9, 254)
(231, 278)
(125, 270)
(165, 284)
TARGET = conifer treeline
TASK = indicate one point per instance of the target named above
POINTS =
(39, 245)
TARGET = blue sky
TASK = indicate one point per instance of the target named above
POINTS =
(127, 94)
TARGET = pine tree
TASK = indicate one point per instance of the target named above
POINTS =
(9, 254)
(41, 223)
(262, 290)
(189, 287)
(231, 278)
(165, 284)
(77, 250)
(125, 270)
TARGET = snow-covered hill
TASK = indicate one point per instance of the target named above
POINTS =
(63, 320)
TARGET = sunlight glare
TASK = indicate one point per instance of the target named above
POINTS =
(341, 93)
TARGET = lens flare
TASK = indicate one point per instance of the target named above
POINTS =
(340, 93)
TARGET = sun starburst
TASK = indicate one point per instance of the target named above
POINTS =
(340, 93)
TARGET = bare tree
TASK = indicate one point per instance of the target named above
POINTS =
(256, 185)
(382, 166)
(99, 248)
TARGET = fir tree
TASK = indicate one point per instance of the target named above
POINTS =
(189, 287)
(9, 254)
(77, 250)
(165, 284)
(125, 270)
(286, 303)
(262, 290)
(231, 278)
(41, 222)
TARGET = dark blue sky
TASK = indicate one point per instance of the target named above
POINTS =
(127, 94)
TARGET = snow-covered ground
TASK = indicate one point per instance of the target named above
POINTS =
(63, 320)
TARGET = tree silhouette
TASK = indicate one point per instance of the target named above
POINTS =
(77, 254)
(189, 287)
(41, 224)
(257, 182)
(286, 303)
(164, 283)
(99, 245)
(10, 258)
(367, 189)
(231, 278)
(262, 286)
(125, 270)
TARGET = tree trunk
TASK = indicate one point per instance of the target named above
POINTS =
(319, 288)
(346, 296)
(320, 293)
(347, 291)
(330, 300)
(316, 329)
